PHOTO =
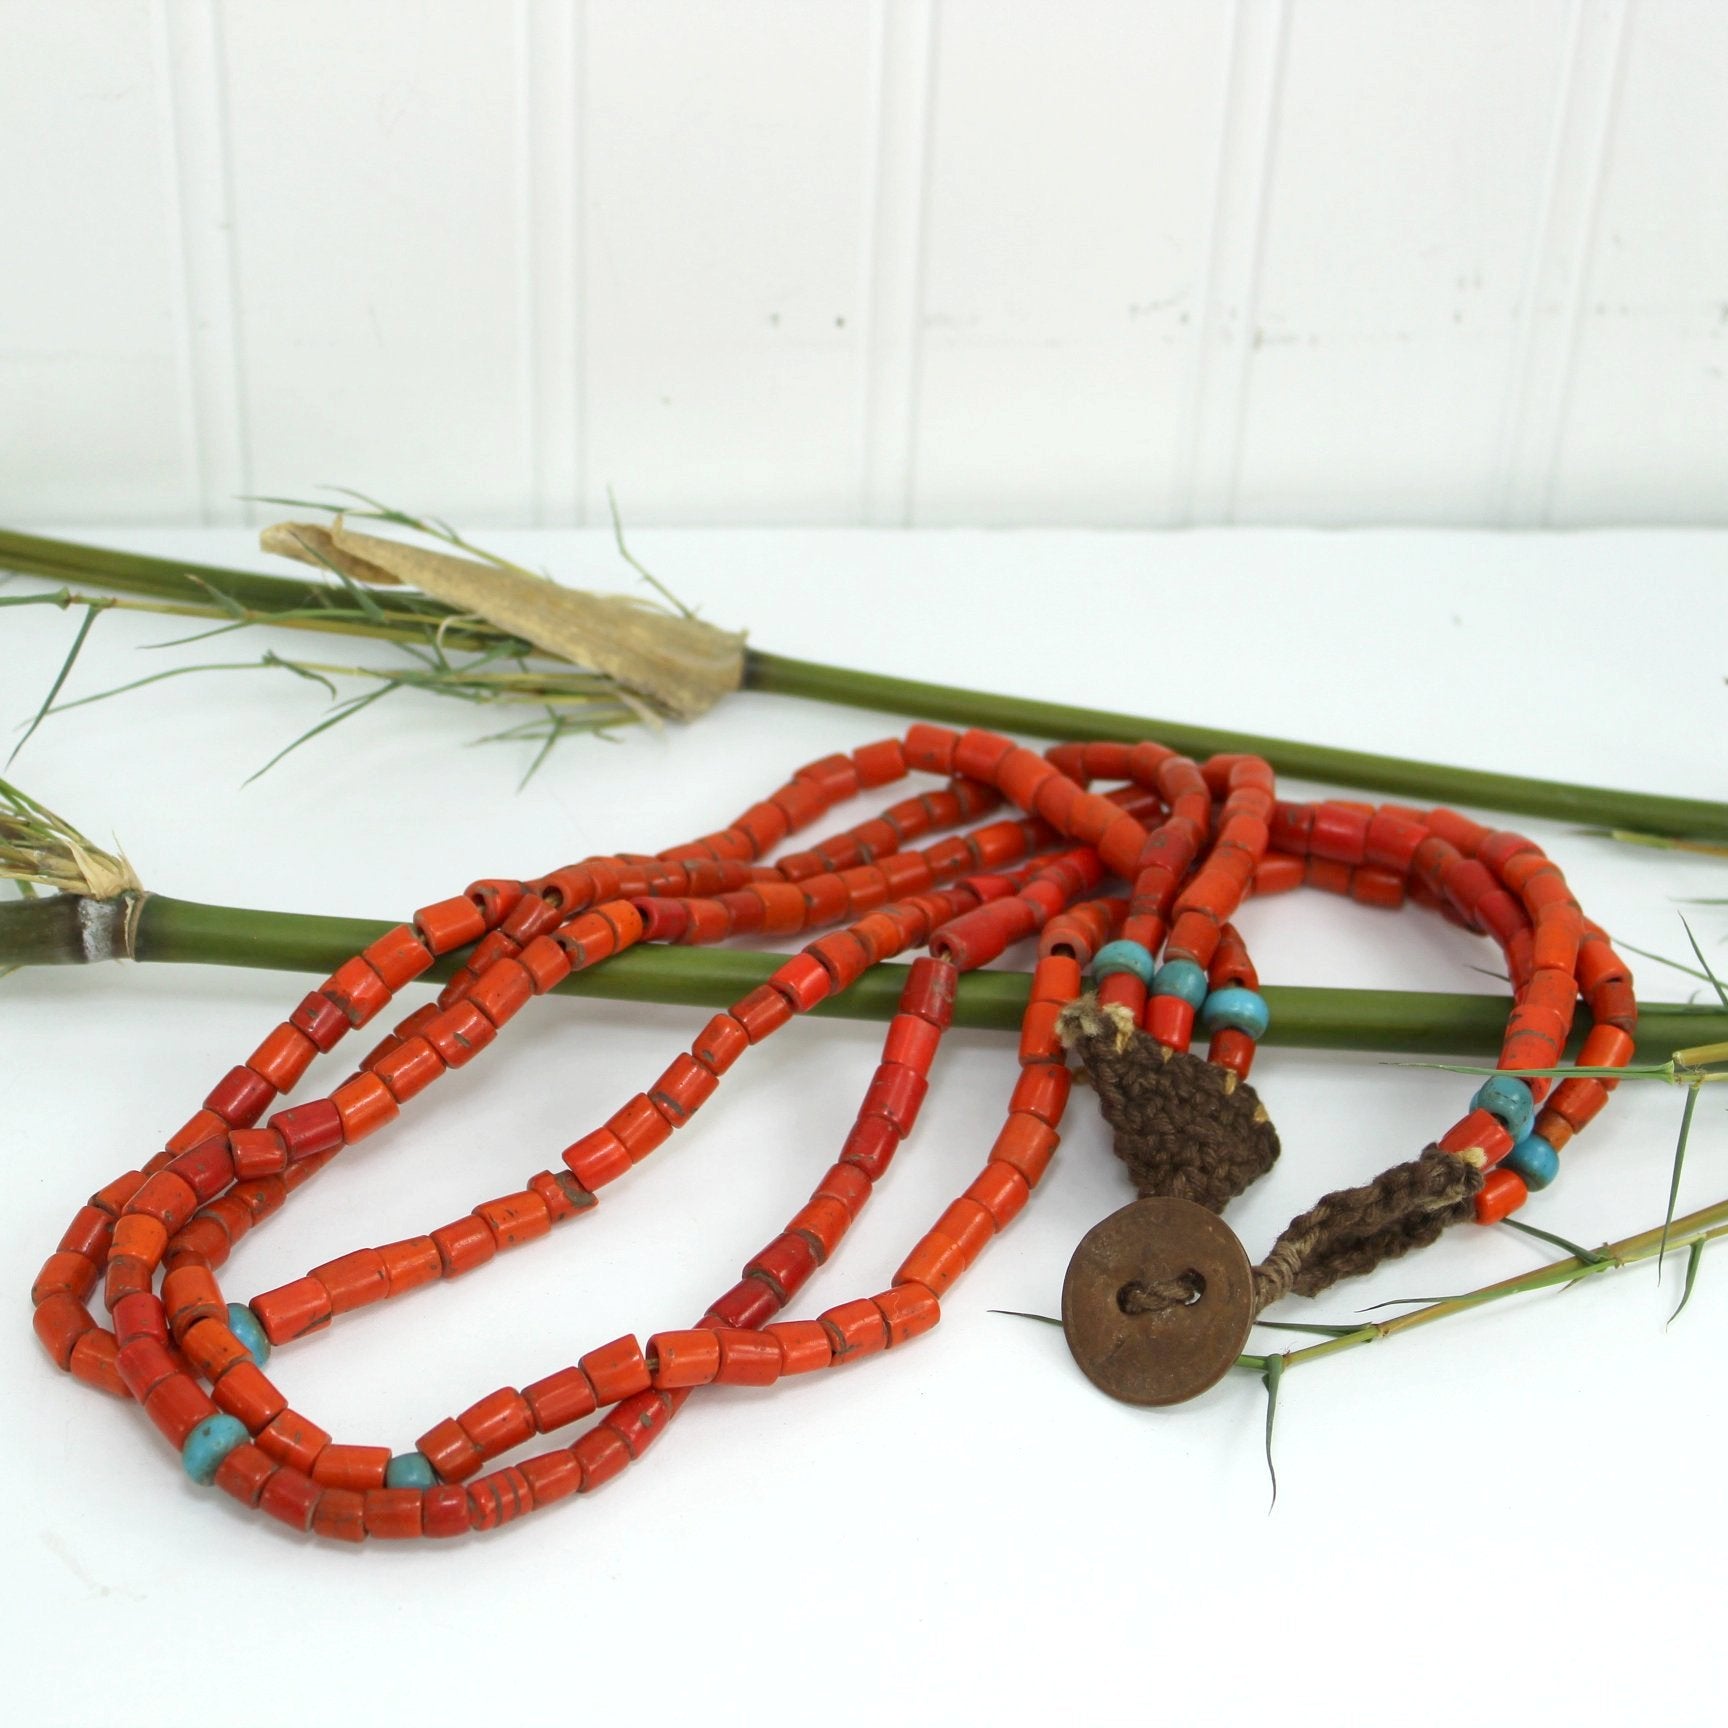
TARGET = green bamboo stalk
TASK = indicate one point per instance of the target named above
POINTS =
(190, 586)
(1429, 781)
(1600, 807)
(1391, 1021)
(137, 573)
(1694, 1230)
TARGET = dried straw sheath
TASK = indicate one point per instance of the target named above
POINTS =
(1651, 813)
(1416, 1023)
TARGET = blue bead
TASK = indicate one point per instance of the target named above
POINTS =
(1243, 1009)
(1506, 1096)
(243, 1323)
(1124, 957)
(209, 1443)
(1533, 1159)
(1180, 978)
(410, 1470)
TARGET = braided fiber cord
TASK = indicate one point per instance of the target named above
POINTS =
(1192, 1130)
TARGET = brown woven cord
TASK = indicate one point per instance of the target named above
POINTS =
(1353, 1229)
(1190, 1129)
(1184, 1127)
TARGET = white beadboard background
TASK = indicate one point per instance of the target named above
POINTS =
(1137, 262)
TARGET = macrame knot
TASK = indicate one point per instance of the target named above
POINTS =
(1353, 1230)
(1184, 1127)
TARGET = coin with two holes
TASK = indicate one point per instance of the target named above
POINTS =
(1158, 1301)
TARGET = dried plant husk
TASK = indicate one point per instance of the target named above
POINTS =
(43, 850)
(681, 666)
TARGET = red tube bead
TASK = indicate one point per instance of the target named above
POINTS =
(365, 1104)
(690, 1358)
(176, 1406)
(320, 1020)
(895, 1092)
(1500, 1195)
(240, 1097)
(617, 1370)
(307, 1130)
(392, 1514)
(283, 1057)
(908, 1310)
(291, 1497)
(857, 1328)
(357, 990)
(1170, 1020)
(459, 1033)
(559, 1399)
(444, 1511)
(747, 1358)
(293, 1310)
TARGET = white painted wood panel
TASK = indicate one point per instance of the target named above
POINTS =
(888, 261)
(725, 258)
(378, 249)
(93, 401)
(1644, 437)
(1408, 154)
(1071, 181)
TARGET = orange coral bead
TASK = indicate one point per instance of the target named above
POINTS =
(858, 1328)
(354, 1280)
(616, 1370)
(364, 1104)
(292, 1439)
(805, 1345)
(450, 924)
(392, 1514)
(684, 1358)
(748, 1358)
(398, 957)
(515, 1218)
(908, 1309)
(463, 1244)
(410, 1068)
(1026, 1143)
(560, 1398)
(283, 1057)
(356, 1468)
(410, 1264)
(293, 1310)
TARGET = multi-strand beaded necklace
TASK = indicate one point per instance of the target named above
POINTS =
(1188, 843)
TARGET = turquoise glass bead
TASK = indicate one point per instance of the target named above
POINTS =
(1533, 1159)
(209, 1443)
(1124, 957)
(410, 1470)
(1506, 1096)
(1180, 978)
(243, 1323)
(1243, 1009)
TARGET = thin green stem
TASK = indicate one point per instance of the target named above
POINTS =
(1692, 817)
(1650, 813)
(186, 931)
(1709, 1224)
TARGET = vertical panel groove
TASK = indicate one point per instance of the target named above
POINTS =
(576, 218)
(1556, 269)
(1618, 26)
(202, 203)
(896, 247)
(526, 175)
(191, 427)
(1543, 232)
(549, 253)
(1209, 476)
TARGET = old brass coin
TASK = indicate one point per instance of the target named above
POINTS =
(1158, 1301)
